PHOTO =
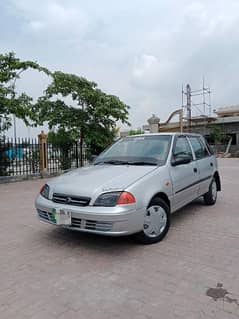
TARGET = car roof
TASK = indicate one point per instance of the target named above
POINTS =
(165, 133)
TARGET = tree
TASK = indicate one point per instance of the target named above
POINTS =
(10, 70)
(80, 108)
(136, 132)
(63, 141)
(102, 138)
(215, 134)
(71, 104)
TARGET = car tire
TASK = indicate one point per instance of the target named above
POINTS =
(210, 197)
(156, 222)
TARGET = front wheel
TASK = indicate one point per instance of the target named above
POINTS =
(210, 197)
(156, 222)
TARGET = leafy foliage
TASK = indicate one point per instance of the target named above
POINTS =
(80, 108)
(63, 141)
(102, 138)
(10, 70)
(136, 132)
(216, 134)
(73, 107)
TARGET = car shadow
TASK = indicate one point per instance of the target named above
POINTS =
(66, 238)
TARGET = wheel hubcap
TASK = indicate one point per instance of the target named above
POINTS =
(214, 190)
(155, 221)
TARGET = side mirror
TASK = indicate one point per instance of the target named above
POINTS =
(181, 159)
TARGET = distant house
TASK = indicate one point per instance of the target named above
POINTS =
(227, 120)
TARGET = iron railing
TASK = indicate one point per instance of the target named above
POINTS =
(21, 157)
(64, 159)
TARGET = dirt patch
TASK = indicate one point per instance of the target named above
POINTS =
(219, 293)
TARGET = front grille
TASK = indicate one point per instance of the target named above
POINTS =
(78, 223)
(98, 225)
(91, 224)
(46, 216)
(75, 222)
(71, 200)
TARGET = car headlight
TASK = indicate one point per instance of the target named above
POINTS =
(114, 198)
(45, 191)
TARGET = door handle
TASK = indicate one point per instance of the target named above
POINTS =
(195, 170)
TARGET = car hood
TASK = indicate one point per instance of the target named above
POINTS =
(92, 180)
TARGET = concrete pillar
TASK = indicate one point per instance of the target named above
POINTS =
(42, 138)
(237, 139)
(154, 124)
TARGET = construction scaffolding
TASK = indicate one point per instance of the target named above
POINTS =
(198, 104)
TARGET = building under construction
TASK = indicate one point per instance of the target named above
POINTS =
(227, 120)
(195, 115)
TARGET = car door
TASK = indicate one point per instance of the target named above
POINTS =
(205, 162)
(184, 177)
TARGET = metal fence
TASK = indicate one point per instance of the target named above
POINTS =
(21, 157)
(64, 159)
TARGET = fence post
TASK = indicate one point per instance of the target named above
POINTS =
(42, 138)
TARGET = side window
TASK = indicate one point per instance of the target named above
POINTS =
(182, 147)
(199, 147)
(210, 150)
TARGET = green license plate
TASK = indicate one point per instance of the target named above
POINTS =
(61, 216)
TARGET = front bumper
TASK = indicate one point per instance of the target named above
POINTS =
(113, 221)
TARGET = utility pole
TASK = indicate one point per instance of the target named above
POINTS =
(14, 128)
(189, 107)
(13, 97)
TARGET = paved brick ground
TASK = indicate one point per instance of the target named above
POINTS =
(46, 272)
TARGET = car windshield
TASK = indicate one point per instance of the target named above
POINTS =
(137, 150)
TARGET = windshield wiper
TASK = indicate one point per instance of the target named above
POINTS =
(113, 162)
(141, 163)
(119, 162)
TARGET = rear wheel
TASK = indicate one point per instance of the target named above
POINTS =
(156, 222)
(210, 197)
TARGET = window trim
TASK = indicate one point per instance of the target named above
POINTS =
(202, 143)
(209, 149)
(174, 143)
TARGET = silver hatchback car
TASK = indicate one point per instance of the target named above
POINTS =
(133, 186)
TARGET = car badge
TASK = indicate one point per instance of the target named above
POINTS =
(68, 200)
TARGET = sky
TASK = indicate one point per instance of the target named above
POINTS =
(142, 51)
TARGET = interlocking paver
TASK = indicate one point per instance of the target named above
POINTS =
(47, 272)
